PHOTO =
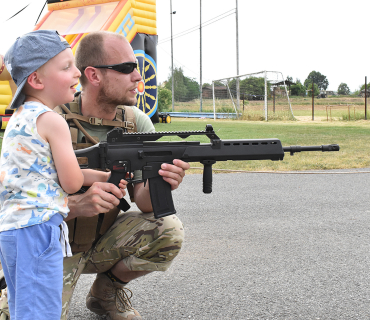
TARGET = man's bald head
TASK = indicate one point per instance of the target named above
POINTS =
(94, 49)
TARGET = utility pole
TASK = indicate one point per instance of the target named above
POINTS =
(313, 101)
(365, 98)
(173, 80)
(200, 78)
(237, 59)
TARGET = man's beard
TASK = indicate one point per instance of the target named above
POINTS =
(108, 102)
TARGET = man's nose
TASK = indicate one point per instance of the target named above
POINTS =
(136, 77)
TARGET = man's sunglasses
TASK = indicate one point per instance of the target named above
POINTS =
(125, 67)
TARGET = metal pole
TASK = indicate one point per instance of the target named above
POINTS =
(266, 112)
(214, 103)
(173, 80)
(237, 58)
(200, 78)
(313, 102)
(365, 98)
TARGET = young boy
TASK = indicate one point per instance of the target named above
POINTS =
(38, 169)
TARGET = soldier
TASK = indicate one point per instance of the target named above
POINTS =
(124, 247)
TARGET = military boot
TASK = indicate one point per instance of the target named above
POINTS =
(111, 299)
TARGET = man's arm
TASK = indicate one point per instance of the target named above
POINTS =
(171, 173)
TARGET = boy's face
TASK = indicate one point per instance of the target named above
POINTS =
(59, 76)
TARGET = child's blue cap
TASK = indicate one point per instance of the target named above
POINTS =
(28, 53)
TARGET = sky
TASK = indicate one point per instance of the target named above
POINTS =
(289, 36)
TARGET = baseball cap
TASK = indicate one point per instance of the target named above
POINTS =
(28, 53)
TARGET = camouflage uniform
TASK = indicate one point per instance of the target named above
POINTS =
(142, 242)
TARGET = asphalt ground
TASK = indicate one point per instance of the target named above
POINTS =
(263, 246)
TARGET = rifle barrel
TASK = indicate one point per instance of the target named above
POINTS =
(323, 148)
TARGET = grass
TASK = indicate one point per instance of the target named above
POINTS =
(352, 137)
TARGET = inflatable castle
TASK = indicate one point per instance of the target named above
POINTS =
(135, 19)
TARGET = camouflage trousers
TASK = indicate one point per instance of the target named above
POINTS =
(142, 242)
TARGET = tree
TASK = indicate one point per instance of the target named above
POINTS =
(318, 79)
(316, 89)
(250, 86)
(298, 89)
(192, 87)
(164, 99)
(343, 89)
(363, 87)
(289, 79)
(179, 86)
(186, 89)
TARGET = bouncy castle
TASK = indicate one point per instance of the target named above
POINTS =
(135, 19)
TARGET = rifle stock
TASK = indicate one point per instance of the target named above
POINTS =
(124, 153)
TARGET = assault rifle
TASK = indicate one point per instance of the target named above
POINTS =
(124, 153)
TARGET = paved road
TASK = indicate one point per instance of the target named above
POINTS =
(263, 246)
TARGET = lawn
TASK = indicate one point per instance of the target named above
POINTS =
(351, 136)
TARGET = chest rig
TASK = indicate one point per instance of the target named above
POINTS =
(84, 231)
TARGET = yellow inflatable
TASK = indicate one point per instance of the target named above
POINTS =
(135, 19)
(7, 87)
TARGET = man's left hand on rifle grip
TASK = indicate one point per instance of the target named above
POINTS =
(174, 173)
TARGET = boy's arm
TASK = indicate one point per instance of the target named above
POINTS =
(54, 130)
(91, 176)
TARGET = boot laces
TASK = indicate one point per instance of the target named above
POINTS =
(123, 296)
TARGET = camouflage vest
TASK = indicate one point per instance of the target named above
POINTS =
(83, 231)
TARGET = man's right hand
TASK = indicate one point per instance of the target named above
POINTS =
(99, 198)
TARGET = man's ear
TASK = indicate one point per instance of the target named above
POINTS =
(35, 81)
(93, 76)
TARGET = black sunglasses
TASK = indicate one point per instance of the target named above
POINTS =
(125, 67)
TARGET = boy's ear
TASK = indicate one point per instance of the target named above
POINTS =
(93, 76)
(35, 81)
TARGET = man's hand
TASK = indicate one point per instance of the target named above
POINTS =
(171, 173)
(174, 173)
(99, 198)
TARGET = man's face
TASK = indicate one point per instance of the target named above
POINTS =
(118, 88)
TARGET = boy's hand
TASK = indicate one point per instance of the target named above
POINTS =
(123, 186)
(99, 198)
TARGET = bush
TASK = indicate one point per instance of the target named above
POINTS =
(164, 99)
(298, 89)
